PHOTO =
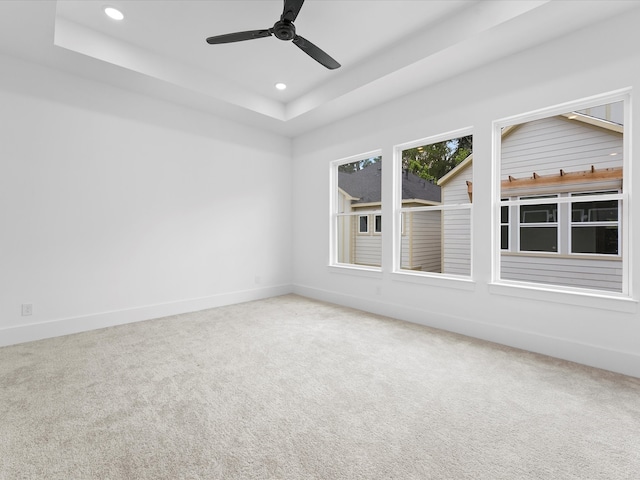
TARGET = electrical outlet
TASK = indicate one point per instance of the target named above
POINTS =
(27, 309)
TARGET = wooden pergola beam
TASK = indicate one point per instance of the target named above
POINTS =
(562, 178)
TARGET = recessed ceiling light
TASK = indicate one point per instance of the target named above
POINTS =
(281, 86)
(114, 13)
(571, 117)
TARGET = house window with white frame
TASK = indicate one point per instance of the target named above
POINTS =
(435, 186)
(595, 225)
(538, 226)
(562, 193)
(363, 224)
(377, 224)
(357, 211)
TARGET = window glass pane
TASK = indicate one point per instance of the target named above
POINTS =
(538, 239)
(456, 248)
(504, 214)
(346, 239)
(358, 194)
(595, 239)
(378, 225)
(361, 180)
(504, 237)
(564, 156)
(434, 174)
(538, 213)
(364, 224)
(605, 211)
(429, 163)
(421, 246)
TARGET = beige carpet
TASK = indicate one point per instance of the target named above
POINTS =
(289, 388)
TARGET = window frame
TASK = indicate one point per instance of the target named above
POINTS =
(617, 223)
(561, 293)
(553, 224)
(360, 217)
(376, 230)
(335, 215)
(399, 219)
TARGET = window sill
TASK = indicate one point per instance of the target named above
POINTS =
(583, 298)
(351, 269)
(573, 256)
(435, 279)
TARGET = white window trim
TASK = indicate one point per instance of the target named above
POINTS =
(366, 217)
(375, 217)
(432, 278)
(333, 263)
(561, 294)
(503, 204)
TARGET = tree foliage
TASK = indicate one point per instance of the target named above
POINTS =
(434, 161)
(359, 165)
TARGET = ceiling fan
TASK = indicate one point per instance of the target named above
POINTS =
(284, 30)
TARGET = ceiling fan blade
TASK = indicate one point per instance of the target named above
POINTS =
(291, 9)
(316, 53)
(239, 36)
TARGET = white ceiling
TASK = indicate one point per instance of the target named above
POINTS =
(387, 48)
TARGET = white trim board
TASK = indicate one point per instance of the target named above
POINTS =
(66, 326)
(616, 361)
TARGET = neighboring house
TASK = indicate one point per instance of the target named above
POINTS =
(456, 224)
(574, 244)
(360, 239)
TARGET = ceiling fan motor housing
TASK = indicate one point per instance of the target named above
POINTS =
(284, 30)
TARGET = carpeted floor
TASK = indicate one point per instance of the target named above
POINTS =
(290, 388)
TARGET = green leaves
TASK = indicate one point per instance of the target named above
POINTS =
(434, 161)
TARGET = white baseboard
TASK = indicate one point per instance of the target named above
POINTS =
(66, 326)
(626, 363)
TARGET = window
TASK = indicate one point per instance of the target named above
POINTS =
(539, 227)
(595, 225)
(434, 199)
(562, 197)
(356, 211)
(363, 222)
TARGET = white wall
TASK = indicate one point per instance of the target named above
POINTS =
(590, 330)
(115, 207)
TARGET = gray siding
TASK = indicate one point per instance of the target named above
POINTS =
(421, 244)
(548, 145)
(456, 226)
(570, 272)
(345, 231)
(368, 249)
(406, 243)
(545, 146)
(457, 242)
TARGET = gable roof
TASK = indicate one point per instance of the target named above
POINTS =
(417, 188)
(594, 121)
(366, 185)
(456, 170)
